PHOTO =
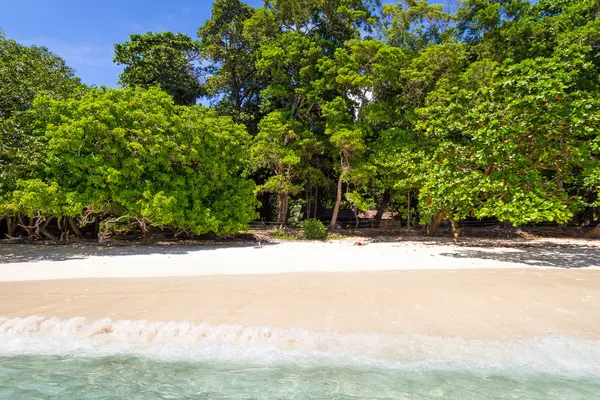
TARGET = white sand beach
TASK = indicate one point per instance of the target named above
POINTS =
(498, 293)
(25, 262)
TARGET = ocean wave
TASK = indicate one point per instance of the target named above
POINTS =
(179, 341)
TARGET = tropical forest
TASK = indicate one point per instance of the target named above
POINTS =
(312, 110)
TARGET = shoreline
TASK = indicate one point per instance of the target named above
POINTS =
(470, 304)
(487, 293)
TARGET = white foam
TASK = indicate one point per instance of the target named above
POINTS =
(185, 341)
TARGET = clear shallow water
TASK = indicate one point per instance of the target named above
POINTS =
(51, 377)
(77, 359)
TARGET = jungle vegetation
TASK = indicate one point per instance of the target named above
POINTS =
(485, 109)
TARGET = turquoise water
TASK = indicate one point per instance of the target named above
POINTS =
(51, 377)
(76, 359)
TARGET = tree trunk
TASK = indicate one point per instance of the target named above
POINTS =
(266, 211)
(96, 229)
(147, 236)
(408, 210)
(10, 228)
(316, 203)
(307, 215)
(338, 201)
(387, 196)
(435, 223)
(75, 228)
(22, 224)
(455, 230)
(282, 205)
(41, 229)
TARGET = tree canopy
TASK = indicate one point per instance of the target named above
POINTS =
(489, 110)
(164, 59)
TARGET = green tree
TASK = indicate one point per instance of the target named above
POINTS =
(232, 74)
(25, 72)
(510, 150)
(334, 21)
(281, 146)
(131, 154)
(415, 24)
(164, 59)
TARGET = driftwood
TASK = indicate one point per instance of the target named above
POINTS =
(14, 240)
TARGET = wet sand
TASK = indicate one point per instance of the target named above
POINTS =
(496, 304)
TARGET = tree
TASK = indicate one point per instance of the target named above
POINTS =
(134, 155)
(289, 63)
(510, 149)
(232, 75)
(25, 72)
(333, 21)
(281, 146)
(415, 24)
(164, 59)
(347, 138)
(520, 29)
(490, 111)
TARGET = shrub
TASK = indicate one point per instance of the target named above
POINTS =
(314, 229)
(131, 153)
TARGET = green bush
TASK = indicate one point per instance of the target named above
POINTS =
(131, 153)
(314, 229)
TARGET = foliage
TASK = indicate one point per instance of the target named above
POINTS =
(162, 59)
(232, 74)
(490, 110)
(283, 234)
(133, 153)
(35, 198)
(314, 229)
(280, 147)
(26, 72)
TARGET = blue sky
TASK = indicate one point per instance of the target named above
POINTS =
(84, 32)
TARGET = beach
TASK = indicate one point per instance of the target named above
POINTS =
(347, 319)
(498, 293)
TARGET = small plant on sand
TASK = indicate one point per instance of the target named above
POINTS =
(314, 229)
(337, 236)
(282, 234)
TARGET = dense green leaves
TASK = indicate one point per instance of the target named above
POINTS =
(233, 79)
(488, 111)
(165, 59)
(281, 147)
(132, 153)
(26, 72)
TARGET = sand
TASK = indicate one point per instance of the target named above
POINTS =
(420, 288)
(22, 262)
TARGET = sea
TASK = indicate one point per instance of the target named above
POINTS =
(78, 359)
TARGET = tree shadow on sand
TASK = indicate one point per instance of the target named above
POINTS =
(24, 253)
(554, 257)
